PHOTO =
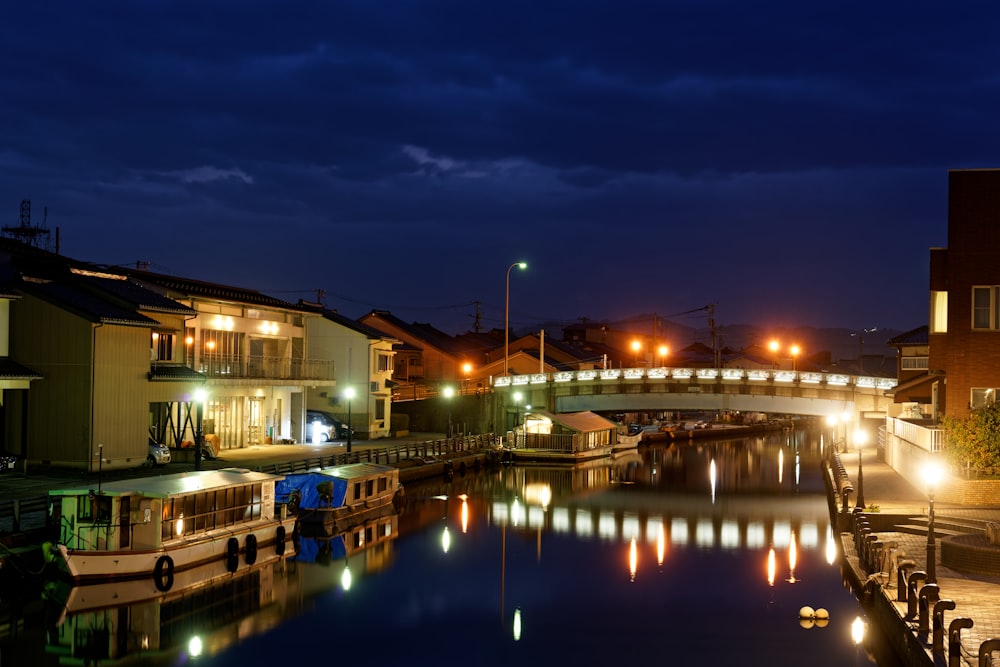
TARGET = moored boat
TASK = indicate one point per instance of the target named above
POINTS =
(327, 501)
(157, 526)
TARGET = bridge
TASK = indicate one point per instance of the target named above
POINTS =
(691, 389)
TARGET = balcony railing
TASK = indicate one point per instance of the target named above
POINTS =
(278, 368)
(928, 438)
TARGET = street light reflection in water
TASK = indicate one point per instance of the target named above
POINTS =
(550, 544)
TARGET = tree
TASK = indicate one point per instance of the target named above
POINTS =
(973, 442)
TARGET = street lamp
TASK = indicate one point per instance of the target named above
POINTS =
(506, 314)
(859, 439)
(636, 348)
(199, 420)
(932, 475)
(448, 392)
(795, 350)
(349, 395)
(663, 352)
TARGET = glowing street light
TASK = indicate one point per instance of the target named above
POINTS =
(448, 393)
(932, 475)
(795, 350)
(349, 395)
(199, 435)
(636, 348)
(662, 352)
(506, 314)
(860, 438)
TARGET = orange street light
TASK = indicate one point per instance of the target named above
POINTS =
(795, 351)
(506, 314)
(663, 352)
(636, 347)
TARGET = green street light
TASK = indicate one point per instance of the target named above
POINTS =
(506, 314)
(349, 394)
(448, 393)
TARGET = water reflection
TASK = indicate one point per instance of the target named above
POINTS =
(683, 551)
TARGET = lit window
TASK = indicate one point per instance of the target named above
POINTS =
(939, 312)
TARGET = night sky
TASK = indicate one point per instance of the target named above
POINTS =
(785, 161)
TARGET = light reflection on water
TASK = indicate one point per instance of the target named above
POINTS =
(701, 550)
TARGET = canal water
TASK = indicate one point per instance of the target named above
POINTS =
(681, 552)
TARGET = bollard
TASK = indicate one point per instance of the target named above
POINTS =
(986, 651)
(955, 640)
(911, 592)
(937, 625)
(929, 594)
(869, 547)
(902, 572)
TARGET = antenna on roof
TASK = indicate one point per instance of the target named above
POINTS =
(25, 233)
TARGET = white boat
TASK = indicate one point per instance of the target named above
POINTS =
(158, 526)
(330, 500)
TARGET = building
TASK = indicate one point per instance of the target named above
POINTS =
(364, 359)
(964, 323)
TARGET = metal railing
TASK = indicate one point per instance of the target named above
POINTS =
(284, 368)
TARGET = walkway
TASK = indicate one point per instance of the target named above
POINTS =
(975, 596)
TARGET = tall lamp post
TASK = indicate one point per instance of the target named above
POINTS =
(349, 395)
(859, 439)
(932, 475)
(663, 351)
(636, 348)
(448, 392)
(795, 350)
(199, 420)
(506, 314)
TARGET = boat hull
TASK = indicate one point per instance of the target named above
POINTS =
(173, 556)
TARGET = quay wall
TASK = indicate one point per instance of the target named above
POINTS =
(877, 604)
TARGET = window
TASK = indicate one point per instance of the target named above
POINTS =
(914, 363)
(982, 396)
(939, 312)
(986, 308)
(379, 408)
(161, 347)
(384, 362)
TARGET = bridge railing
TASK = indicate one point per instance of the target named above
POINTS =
(762, 375)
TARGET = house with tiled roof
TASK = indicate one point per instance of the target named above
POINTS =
(426, 356)
(252, 350)
(87, 332)
(364, 358)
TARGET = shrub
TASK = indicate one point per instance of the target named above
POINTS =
(974, 441)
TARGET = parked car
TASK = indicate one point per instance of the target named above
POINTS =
(326, 425)
(7, 462)
(159, 454)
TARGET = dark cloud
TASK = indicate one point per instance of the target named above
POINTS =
(787, 161)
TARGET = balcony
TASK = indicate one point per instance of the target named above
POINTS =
(274, 368)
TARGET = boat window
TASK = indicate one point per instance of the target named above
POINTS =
(383, 484)
(357, 490)
(93, 508)
(369, 488)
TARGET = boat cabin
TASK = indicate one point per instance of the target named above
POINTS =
(145, 513)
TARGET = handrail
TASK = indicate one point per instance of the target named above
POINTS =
(697, 374)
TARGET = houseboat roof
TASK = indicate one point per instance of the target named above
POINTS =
(165, 486)
(583, 422)
(355, 470)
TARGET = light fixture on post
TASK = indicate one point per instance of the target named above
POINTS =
(349, 395)
(860, 437)
(795, 350)
(663, 351)
(636, 348)
(100, 466)
(517, 407)
(448, 393)
(932, 475)
(506, 314)
(199, 420)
